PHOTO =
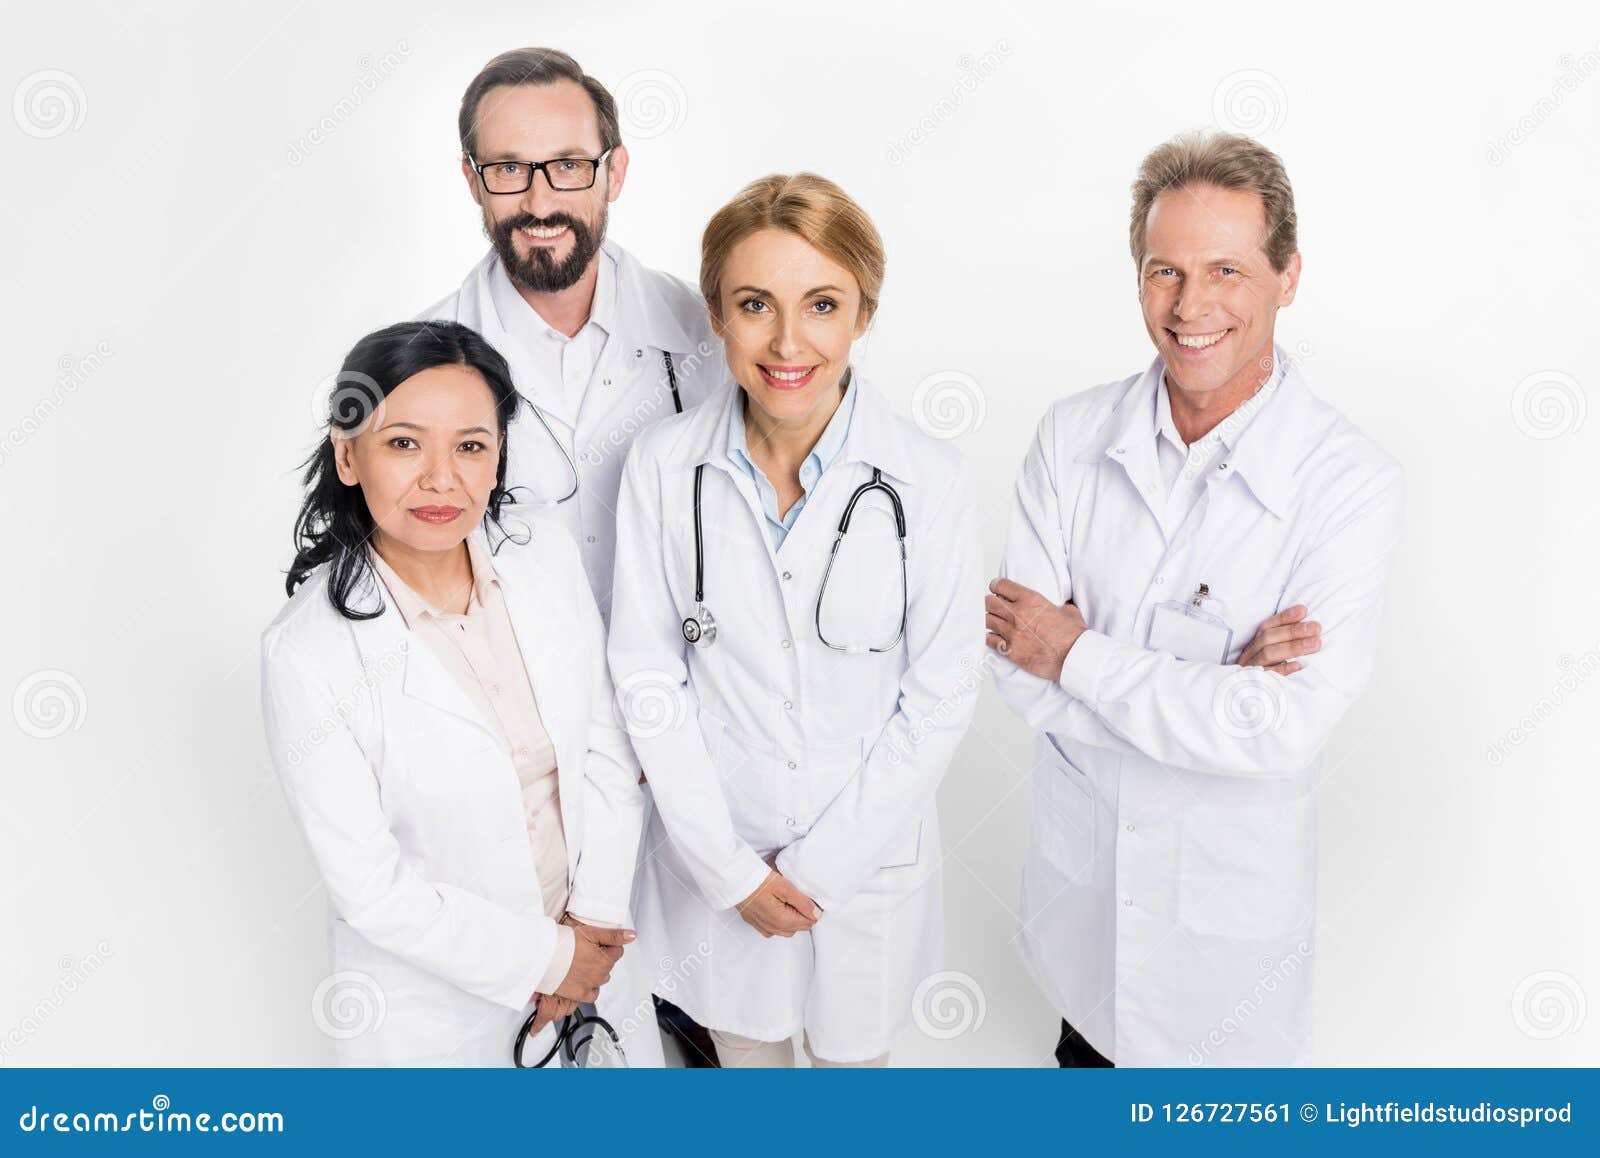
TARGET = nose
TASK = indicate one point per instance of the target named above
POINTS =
(786, 343)
(540, 199)
(1193, 300)
(439, 475)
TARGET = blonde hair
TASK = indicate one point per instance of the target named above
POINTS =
(809, 206)
(1228, 161)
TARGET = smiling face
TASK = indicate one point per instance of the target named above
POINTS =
(1209, 294)
(787, 315)
(545, 237)
(428, 459)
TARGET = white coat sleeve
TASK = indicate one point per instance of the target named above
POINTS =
(938, 695)
(332, 790)
(1037, 555)
(1224, 719)
(613, 807)
(648, 665)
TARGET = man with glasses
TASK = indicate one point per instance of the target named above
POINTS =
(599, 343)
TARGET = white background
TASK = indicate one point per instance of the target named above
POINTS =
(191, 262)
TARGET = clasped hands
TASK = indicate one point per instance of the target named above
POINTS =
(595, 951)
(778, 908)
(1036, 634)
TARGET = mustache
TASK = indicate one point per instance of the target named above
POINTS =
(529, 221)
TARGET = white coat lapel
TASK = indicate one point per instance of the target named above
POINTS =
(541, 619)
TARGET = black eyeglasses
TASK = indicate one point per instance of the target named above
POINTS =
(565, 174)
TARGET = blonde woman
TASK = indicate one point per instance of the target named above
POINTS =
(796, 640)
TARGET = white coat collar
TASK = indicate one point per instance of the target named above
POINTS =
(1265, 453)
(877, 436)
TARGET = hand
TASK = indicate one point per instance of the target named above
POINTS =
(1029, 630)
(1279, 640)
(597, 950)
(549, 1007)
(778, 909)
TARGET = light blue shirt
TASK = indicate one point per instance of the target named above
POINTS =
(820, 458)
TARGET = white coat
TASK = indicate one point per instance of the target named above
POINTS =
(629, 389)
(413, 812)
(768, 742)
(1169, 891)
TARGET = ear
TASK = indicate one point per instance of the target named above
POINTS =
(474, 186)
(1290, 278)
(616, 172)
(344, 459)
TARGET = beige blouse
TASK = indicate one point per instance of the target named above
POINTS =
(480, 650)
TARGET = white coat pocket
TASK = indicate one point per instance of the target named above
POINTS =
(1247, 872)
(1063, 815)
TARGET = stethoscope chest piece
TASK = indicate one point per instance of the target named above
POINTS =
(700, 629)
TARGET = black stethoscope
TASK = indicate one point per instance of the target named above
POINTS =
(571, 1039)
(700, 628)
(572, 466)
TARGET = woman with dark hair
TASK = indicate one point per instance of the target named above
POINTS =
(443, 724)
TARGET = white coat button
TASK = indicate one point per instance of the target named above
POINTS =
(786, 645)
(1222, 466)
(1161, 578)
(590, 538)
(788, 705)
(793, 765)
(1127, 902)
(787, 576)
(1129, 827)
(791, 822)
(1122, 450)
(605, 381)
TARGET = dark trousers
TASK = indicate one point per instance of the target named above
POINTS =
(1073, 1052)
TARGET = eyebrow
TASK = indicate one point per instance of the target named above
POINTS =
(414, 426)
(556, 156)
(1225, 259)
(768, 293)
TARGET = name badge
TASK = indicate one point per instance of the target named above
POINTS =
(1193, 629)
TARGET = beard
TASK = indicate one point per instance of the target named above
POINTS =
(538, 271)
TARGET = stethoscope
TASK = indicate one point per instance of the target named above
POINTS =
(568, 1040)
(572, 465)
(700, 628)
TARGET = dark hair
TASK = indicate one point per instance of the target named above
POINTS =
(535, 66)
(334, 523)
